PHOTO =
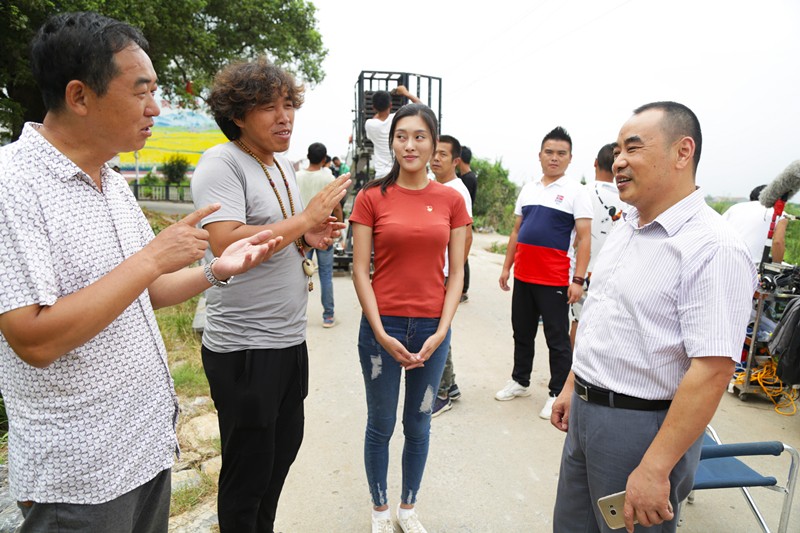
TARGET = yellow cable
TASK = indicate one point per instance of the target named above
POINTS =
(771, 385)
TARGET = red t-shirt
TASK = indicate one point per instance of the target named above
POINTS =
(410, 232)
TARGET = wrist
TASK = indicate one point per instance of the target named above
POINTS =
(578, 280)
(212, 277)
(304, 241)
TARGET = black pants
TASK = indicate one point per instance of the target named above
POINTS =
(466, 278)
(259, 399)
(529, 302)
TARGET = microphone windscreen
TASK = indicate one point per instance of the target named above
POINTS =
(787, 183)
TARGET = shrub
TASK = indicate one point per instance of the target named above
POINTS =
(174, 169)
(496, 196)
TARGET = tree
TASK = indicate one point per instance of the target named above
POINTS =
(496, 196)
(190, 40)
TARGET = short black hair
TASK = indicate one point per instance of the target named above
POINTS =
(679, 121)
(466, 155)
(605, 157)
(317, 153)
(558, 134)
(755, 193)
(381, 100)
(455, 146)
(79, 46)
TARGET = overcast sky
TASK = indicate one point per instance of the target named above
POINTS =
(513, 70)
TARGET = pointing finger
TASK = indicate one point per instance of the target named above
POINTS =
(193, 218)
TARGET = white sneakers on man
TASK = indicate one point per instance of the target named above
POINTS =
(547, 410)
(511, 391)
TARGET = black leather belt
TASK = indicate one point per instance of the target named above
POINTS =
(600, 396)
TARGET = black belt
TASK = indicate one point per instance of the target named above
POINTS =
(600, 396)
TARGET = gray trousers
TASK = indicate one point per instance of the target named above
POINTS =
(144, 509)
(603, 446)
(448, 376)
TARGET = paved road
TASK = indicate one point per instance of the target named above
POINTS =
(493, 465)
(169, 208)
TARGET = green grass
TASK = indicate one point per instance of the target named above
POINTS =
(498, 247)
(190, 380)
(187, 498)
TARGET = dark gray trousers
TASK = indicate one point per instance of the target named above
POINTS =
(145, 509)
(603, 446)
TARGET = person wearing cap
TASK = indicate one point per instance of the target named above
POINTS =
(660, 332)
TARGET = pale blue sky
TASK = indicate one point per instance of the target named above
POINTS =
(512, 71)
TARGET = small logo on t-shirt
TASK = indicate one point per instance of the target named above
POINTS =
(559, 198)
(430, 208)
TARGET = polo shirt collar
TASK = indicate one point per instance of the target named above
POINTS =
(60, 166)
(557, 183)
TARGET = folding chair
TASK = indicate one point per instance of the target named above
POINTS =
(719, 468)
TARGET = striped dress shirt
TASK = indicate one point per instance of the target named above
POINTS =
(677, 288)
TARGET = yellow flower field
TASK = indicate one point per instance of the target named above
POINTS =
(170, 140)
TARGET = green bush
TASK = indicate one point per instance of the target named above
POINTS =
(174, 169)
(496, 196)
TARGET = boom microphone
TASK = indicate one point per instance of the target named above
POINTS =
(775, 195)
(786, 185)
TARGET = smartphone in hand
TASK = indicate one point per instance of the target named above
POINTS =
(611, 508)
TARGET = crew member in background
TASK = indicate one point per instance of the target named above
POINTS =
(377, 128)
(443, 166)
(552, 213)
(470, 180)
(751, 221)
(660, 332)
(311, 181)
(608, 210)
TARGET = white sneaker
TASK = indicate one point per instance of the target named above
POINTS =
(511, 391)
(547, 410)
(411, 523)
(382, 525)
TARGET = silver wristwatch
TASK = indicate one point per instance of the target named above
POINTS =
(212, 279)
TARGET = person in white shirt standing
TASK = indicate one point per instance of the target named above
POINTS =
(751, 220)
(377, 128)
(311, 181)
(608, 209)
(443, 165)
(660, 333)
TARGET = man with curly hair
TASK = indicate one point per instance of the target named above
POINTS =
(254, 342)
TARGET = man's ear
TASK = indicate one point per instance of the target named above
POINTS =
(77, 96)
(684, 152)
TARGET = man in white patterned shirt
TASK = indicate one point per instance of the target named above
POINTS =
(83, 368)
(660, 331)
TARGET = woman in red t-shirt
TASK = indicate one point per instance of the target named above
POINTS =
(409, 221)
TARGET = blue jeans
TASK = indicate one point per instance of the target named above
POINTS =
(325, 263)
(382, 382)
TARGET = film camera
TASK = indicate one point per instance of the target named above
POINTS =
(779, 278)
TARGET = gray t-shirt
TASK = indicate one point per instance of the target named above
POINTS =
(265, 307)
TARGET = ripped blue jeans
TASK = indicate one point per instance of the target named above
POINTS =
(382, 382)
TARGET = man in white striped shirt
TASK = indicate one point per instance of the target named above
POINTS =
(660, 331)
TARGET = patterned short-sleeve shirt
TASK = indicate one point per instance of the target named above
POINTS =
(99, 421)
